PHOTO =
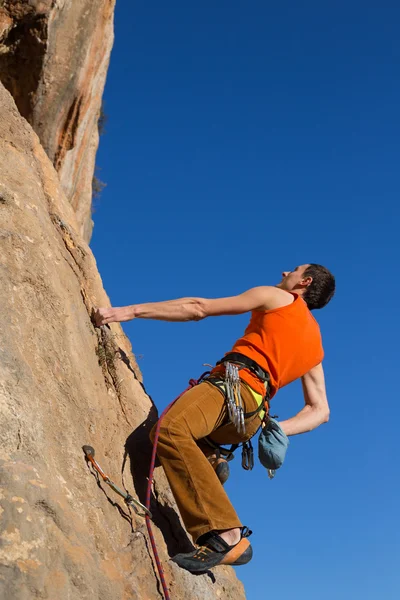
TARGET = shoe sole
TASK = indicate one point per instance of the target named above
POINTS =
(245, 558)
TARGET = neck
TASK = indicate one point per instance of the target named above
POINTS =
(296, 290)
(300, 291)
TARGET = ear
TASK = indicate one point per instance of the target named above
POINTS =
(306, 282)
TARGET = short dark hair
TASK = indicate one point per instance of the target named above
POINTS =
(322, 287)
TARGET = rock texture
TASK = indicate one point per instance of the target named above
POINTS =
(54, 56)
(63, 384)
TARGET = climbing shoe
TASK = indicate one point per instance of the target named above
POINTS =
(213, 550)
(220, 466)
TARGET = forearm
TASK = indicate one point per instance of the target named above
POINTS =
(183, 309)
(307, 419)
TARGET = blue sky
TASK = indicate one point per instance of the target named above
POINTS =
(244, 139)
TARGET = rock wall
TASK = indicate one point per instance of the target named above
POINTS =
(63, 384)
(54, 56)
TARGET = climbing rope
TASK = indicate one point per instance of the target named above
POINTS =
(192, 383)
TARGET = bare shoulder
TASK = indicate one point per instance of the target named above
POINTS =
(258, 298)
(273, 297)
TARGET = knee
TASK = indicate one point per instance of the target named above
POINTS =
(164, 433)
(169, 432)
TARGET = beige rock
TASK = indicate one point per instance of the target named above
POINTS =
(64, 384)
(54, 56)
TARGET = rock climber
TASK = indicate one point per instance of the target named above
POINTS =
(282, 343)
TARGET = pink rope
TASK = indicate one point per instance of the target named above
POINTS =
(192, 383)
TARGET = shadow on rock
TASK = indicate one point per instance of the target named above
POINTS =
(139, 448)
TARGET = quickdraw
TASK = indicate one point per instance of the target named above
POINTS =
(247, 456)
(129, 500)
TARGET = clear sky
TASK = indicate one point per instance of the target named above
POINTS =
(243, 139)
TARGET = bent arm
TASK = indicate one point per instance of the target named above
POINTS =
(192, 309)
(316, 409)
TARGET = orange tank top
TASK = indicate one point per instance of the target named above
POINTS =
(284, 341)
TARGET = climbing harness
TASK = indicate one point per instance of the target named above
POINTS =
(244, 362)
(129, 500)
(229, 385)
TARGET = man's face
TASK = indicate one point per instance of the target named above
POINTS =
(294, 279)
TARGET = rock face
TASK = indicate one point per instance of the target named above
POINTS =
(54, 56)
(63, 533)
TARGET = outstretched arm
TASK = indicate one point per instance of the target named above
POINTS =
(195, 309)
(316, 410)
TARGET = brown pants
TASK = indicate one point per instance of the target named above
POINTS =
(201, 498)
